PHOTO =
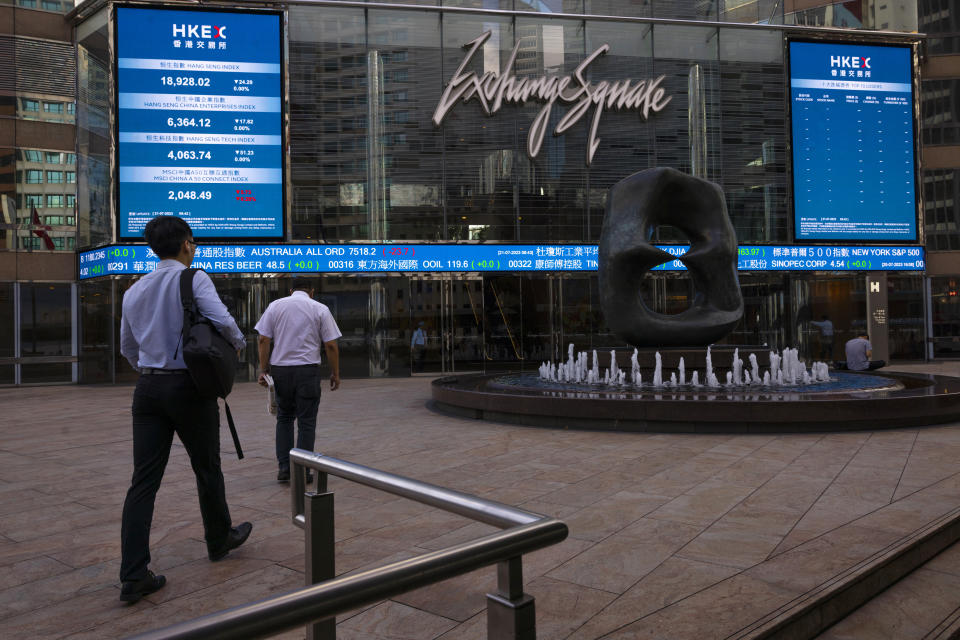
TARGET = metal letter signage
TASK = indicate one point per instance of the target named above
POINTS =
(494, 88)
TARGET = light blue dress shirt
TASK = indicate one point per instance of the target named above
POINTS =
(152, 318)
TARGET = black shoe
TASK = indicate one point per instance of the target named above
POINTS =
(283, 475)
(237, 536)
(132, 590)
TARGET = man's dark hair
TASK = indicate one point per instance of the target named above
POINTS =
(301, 283)
(165, 234)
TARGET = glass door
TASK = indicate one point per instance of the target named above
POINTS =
(461, 320)
(424, 336)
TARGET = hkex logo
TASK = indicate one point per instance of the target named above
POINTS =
(850, 62)
(199, 31)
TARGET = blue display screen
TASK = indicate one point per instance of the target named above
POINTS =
(853, 142)
(200, 121)
(453, 258)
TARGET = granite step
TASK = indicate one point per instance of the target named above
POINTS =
(802, 591)
(850, 566)
(924, 605)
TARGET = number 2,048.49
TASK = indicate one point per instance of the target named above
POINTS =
(189, 195)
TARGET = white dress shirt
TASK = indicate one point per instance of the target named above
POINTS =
(152, 318)
(298, 326)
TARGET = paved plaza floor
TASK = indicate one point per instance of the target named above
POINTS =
(671, 536)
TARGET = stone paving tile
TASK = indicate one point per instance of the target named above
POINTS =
(828, 513)
(29, 571)
(615, 564)
(393, 621)
(672, 581)
(608, 516)
(661, 525)
(716, 612)
(731, 544)
(703, 504)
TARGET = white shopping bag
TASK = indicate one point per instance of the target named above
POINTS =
(271, 395)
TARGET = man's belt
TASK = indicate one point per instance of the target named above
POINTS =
(147, 371)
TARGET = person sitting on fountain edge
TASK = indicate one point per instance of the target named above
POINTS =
(859, 350)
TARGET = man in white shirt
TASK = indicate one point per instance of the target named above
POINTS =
(299, 328)
(418, 347)
(166, 401)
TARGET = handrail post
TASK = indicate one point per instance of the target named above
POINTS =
(319, 557)
(510, 611)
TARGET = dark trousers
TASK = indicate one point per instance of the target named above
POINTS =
(419, 355)
(164, 405)
(298, 397)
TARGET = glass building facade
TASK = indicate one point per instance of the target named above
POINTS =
(38, 196)
(367, 164)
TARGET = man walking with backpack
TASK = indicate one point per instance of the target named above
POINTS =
(299, 328)
(166, 401)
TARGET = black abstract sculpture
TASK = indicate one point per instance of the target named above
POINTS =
(639, 204)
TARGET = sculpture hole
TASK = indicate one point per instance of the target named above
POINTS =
(667, 234)
(669, 296)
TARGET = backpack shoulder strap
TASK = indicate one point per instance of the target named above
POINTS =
(186, 288)
(189, 304)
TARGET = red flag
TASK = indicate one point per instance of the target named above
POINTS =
(41, 231)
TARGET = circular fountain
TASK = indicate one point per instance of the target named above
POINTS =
(683, 388)
(748, 401)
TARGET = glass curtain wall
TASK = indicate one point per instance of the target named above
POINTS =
(94, 79)
(752, 116)
(96, 334)
(38, 344)
(368, 164)
(945, 316)
(484, 161)
(7, 338)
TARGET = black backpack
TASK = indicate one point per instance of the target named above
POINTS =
(210, 358)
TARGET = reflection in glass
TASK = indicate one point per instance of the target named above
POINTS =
(45, 319)
(96, 338)
(945, 315)
(483, 156)
(405, 152)
(552, 191)
(905, 312)
(631, 8)
(626, 139)
(46, 372)
(503, 338)
(7, 302)
(752, 113)
(94, 78)
(328, 123)
(941, 192)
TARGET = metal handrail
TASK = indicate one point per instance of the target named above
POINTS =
(464, 504)
(510, 611)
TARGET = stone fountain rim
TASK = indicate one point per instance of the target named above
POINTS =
(920, 402)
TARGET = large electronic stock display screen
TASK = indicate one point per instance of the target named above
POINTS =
(200, 121)
(854, 173)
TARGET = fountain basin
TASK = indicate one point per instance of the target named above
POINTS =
(871, 401)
